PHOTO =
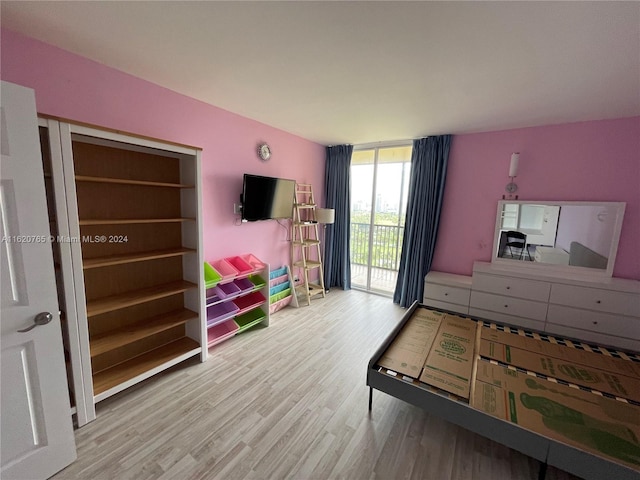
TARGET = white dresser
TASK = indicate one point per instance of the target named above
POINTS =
(605, 312)
(447, 291)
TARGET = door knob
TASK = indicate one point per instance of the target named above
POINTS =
(40, 319)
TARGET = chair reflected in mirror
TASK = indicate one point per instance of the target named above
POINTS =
(514, 245)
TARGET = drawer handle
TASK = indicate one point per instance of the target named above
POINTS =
(598, 301)
(446, 294)
(595, 323)
(508, 288)
(506, 306)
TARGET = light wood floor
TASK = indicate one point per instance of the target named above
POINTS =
(287, 401)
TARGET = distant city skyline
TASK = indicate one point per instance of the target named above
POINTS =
(389, 187)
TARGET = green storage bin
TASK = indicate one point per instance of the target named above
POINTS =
(279, 296)
(258, 281)
(211, 276)
(249, 319)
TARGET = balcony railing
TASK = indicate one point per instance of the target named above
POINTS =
(385, 246)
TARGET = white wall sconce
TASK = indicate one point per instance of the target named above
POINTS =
(511, 187)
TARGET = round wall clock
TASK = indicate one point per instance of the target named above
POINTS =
(264, 151)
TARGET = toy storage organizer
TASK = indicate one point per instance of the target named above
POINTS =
(236, 296)
(280, 289)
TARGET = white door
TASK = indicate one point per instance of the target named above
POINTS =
(36, 429)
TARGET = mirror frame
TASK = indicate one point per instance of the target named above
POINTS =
(560, 270)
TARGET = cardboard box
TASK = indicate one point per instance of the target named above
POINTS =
(583, 375)
(449, 365)
(571, 355)
(599, 425)
(411, 346)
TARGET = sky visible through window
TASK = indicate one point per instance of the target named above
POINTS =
(391, 186)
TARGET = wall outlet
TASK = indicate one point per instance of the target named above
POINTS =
(237, 209)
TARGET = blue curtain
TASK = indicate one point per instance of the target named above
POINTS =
(337, 266)
(426, 188)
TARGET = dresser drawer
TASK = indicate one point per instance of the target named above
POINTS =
(594, 338)
(509, 305)
(453, 307)
(594, 321)
(515, 287)
(445, 293)
(596, 299)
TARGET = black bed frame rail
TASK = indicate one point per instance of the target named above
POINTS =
(449, 408)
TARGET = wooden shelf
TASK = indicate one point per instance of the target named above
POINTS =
(307, 243)
(305, 205)
(305, 224)
(118, 374)
(137, 205)
(137, 331)
(133, 257)
(125, 221)
(135, 297)
(310, 264)
(314, 289)
(122, 181)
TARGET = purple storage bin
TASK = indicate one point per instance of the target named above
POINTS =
(220, 312)
(227, 290)
(244, 284)
(225, 269)
(212, 297)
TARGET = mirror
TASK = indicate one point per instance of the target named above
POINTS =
(560, 237)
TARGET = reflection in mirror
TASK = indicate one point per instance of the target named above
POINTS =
(561, 234)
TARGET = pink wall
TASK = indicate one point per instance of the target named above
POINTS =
(597, 160)
(76, 88)
(587, 161)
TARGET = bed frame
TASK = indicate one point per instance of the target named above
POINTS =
(457, 411)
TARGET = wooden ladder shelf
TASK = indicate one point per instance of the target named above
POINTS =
(305, 244)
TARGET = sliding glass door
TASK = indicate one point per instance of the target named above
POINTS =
(379, 188)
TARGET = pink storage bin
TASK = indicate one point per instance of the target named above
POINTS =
(242, 267)
(280, 304)
(278, 280)
(221, 332)
(225, 269)
(252, 260)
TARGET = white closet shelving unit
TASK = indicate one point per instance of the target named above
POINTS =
(130, 271)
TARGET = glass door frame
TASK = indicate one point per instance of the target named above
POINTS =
(376, 147)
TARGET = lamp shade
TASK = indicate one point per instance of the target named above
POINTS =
(513, 167)
(325, 215)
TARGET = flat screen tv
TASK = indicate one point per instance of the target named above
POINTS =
(265, 198)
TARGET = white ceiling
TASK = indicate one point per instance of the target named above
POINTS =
(358, 72)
